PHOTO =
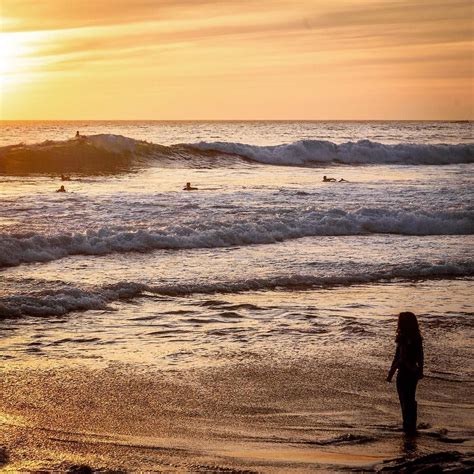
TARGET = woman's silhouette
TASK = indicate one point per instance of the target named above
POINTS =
(409, 362)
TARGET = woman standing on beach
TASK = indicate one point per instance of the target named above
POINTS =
(409, 362)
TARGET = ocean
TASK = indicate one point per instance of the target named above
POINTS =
(264, 261)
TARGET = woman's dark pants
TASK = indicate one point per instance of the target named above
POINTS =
(406, 388)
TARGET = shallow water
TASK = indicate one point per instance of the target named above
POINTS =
(202, 330)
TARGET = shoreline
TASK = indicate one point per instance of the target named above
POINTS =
(299, 415)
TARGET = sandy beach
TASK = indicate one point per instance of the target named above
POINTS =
(255, 414)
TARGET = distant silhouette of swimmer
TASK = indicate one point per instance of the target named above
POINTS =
(62, 189)
(188, 187)
(328, 180)
(65, 178)
(342, 180)
(78, 134)
(408, 361)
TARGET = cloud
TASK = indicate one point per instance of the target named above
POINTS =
(27, 15)
(389, 12)
(303, 26)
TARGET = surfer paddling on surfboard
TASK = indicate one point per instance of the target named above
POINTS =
(188, 187)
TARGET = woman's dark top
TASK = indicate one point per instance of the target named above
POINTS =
(408, 357)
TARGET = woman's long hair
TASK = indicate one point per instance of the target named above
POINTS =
(408, 328)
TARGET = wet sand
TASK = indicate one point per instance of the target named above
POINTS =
(254, 414)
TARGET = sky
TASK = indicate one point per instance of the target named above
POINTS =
(236, 59)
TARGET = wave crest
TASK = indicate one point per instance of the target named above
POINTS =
(57, 302)
(107, 153)
(362, 152)
(100, 154)
(23, 248)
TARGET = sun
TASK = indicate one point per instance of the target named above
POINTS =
(17, 58)
(13, 49)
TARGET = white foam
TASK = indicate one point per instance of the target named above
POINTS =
(57, 302)
(307, 152)
(17, 249)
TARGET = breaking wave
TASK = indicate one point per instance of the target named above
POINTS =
(362, 152)
(58, 302)
(107, 153)
(23, 248)
(102, 154)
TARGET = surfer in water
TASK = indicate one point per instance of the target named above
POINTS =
(62, 189)
(333, 180)
(188, 187)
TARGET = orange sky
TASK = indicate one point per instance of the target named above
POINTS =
(236, 59)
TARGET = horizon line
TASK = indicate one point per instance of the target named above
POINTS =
(237, 120)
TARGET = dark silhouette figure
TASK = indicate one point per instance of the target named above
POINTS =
(342, 180)
(328, 180)
(188, 187)
(62, 189)
(408, 361)
(78, 135)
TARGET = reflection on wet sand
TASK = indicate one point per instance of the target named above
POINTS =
(257, 412)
